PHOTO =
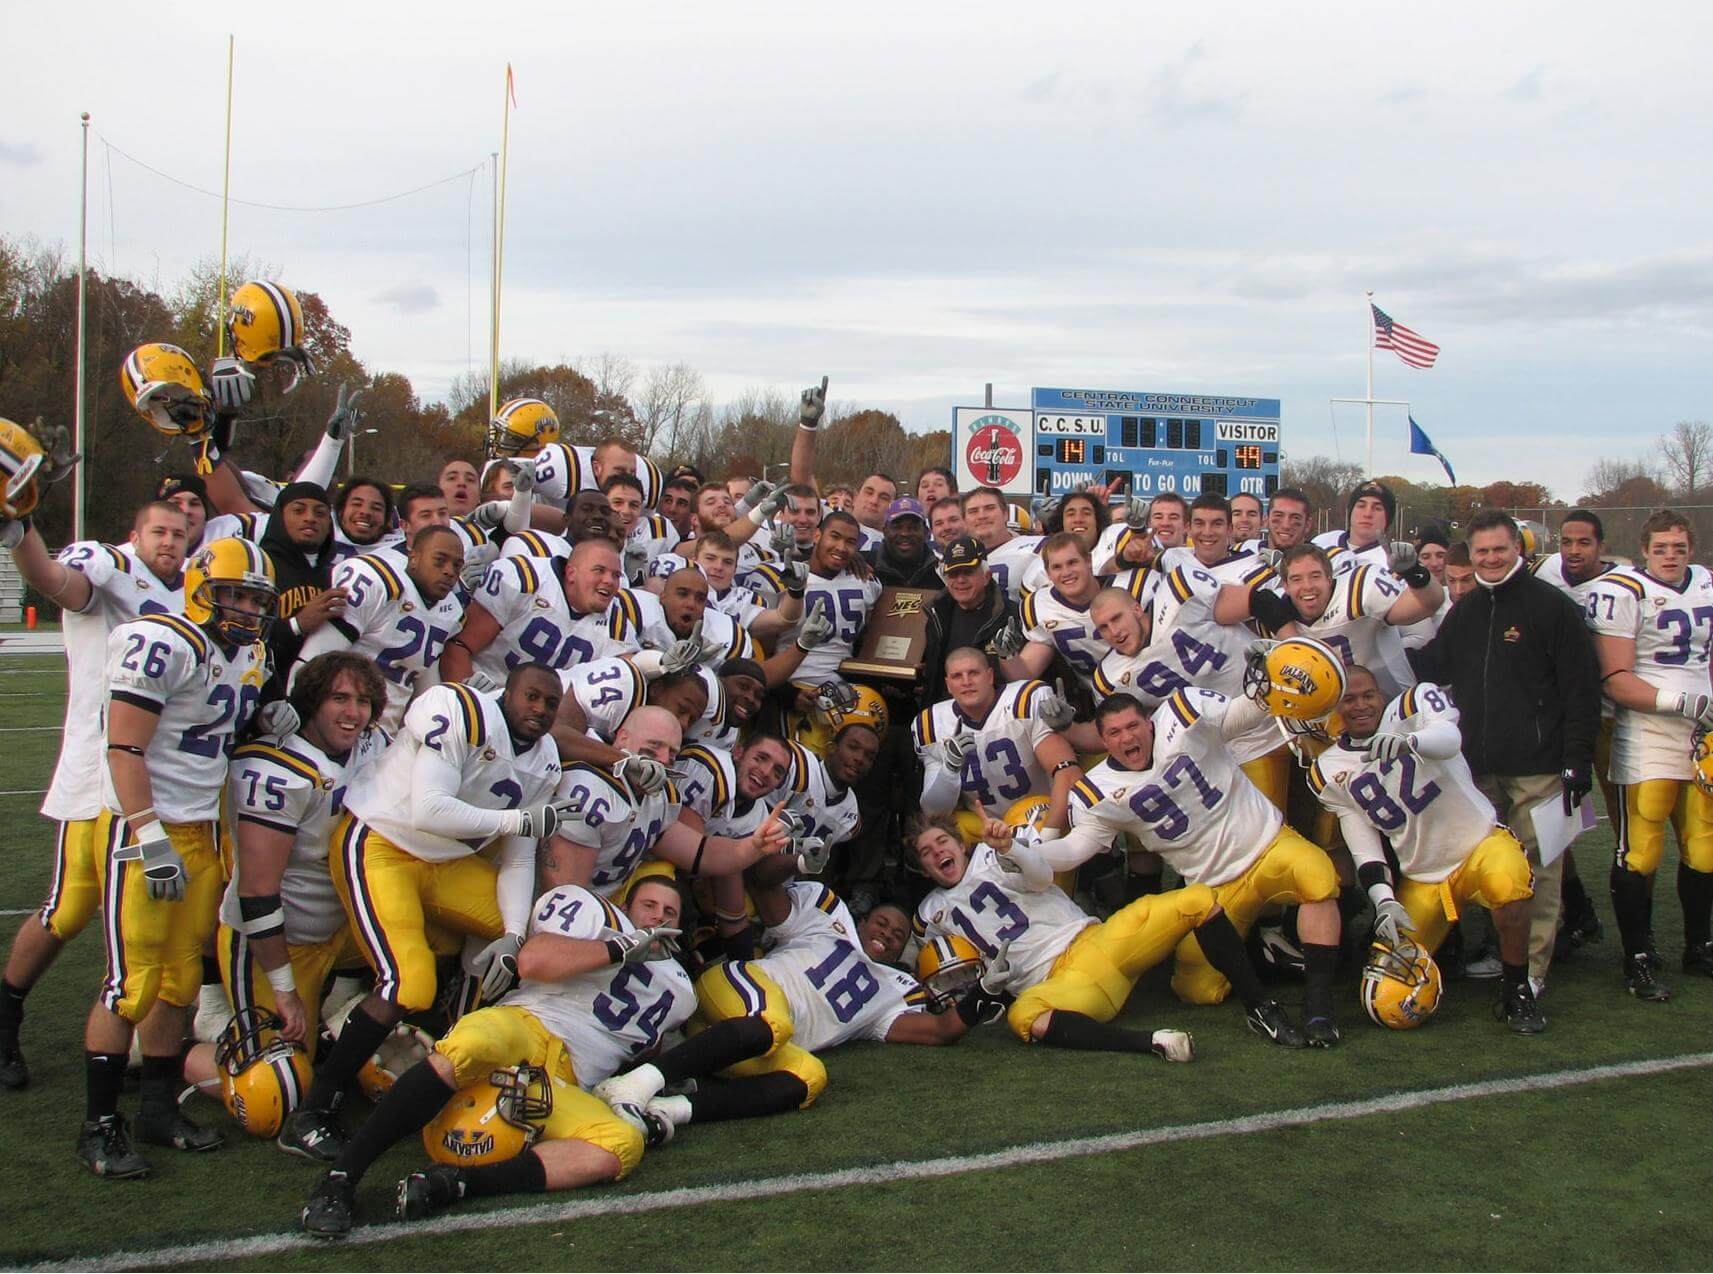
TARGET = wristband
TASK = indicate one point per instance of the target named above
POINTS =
(281, 979)
(292, 624)
(757, 518)
(615, 952)
(151, 830)
(1417, 576)
(261, 916)
(1666, 701)
(1064, 765)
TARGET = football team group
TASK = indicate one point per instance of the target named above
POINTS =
(553, 804)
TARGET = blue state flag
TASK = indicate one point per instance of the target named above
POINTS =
(1422, 445)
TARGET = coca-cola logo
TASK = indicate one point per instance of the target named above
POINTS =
(994, 453)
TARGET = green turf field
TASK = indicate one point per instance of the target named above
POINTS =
(1585, 1175)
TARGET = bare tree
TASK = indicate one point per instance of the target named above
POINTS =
(613, 374)
(1609, 474)
(1324, 480)
(1688, 454)
(666, 405)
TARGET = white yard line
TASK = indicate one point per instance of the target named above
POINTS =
(588, 1207)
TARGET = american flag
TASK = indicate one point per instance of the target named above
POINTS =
(1413, 348)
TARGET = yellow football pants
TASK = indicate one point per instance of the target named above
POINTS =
(154, 948)
(247, 985)
(1646, 807)
(1496, 872)
(75, 894)
(743, 989)
(1272, 774)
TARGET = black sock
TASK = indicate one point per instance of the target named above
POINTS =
(1695, 892)
(1578, 906)
(210, 971)
(721, 1045)
(1225, 952)
(524, 1174)
(1511, 975)
(1322, 961)
(1630, 896)
(415, 1098)
(356, 1044)
(161, 1082)
(749, 1098)
(104, 1076)
(11, 1006)
(1077, 1030)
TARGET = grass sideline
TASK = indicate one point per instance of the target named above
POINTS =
(1587, 1177)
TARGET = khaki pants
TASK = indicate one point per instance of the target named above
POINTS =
(1515, 797)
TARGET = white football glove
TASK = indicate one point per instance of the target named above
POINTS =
(538, 822)
(58, 459)
(1053, 709)
(343, 422)
(688, 652)
(816, 631)
(643, 773)
(813, 854)
(163, 867)
(476, 564)
(497, 963)
(955, 749)
(642, 945)
(12, 532)
(480, 682)
(524, 483)
(1390, 921)
(758, 491)
(490, 514)
(1697, 708)
(1390, 746)
(997, 971)
(1400, 557)
(1136, 513)
(277, 719)
(635, 559)
(1009, 641)
(231, 383)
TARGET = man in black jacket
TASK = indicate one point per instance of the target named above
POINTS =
(1516, 655)
(971, 610)
(903, 556)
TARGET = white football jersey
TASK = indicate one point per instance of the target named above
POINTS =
(560, 472)
(1001, 768)
(121, 589)
(836, 993)
(608, 1015)
(1672, 629)
(845, 600)
(1354, 624)
(990, 906)
(712, 729)
(758, 571)
(1551, 569)
(387, 620)
(1193, 806)
(941, 721)
(1415, 636)
(722, 635)
(537, 622)
(471, 536)
(1017, 565)
(608, 691)
(1053, 619)
(298, 789)
(469, 732)
(203, 696)
(543, 546)
(619, 823)
(742, 604)
(654, 534)
(1346, 559)
(1429, 810)
(708, 783)
(832, 811)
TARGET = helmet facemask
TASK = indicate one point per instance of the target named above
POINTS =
(238, 626)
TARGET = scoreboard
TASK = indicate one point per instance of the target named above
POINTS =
(1183, 443)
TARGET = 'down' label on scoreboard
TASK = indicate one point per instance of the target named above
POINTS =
(994, 452)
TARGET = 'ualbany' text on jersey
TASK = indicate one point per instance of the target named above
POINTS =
(836, 993)
(537, 622)
(1429, 810)
(295, 788)
(467, 732)
(387, 619)
(1000, 768)
(1672, 627)
(612, 818)
(845, 601)
(1193, 806)
(990, 906)
(611, 1014)
(202, 695)
(120, 589)
(1354, 624)
(832, 811)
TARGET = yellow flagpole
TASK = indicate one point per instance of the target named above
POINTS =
(500, 248)
(225, 210)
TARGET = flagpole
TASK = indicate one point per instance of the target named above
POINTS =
(1369, 472)
(82, 315)
(225, 210)
(500, 243)
(494, 295)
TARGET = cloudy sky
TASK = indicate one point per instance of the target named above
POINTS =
(917, 199)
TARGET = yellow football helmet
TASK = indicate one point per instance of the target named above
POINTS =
(237, 564)
(1401, 986)
(948, 967)
(21, 459)
(1030, 811)
(1702, 758)
(523, 427)
(1535, 538)
(162, 383)
(869, 710)
(1298, 680)
(491, 1120)
(262, 1077)
(265, 325)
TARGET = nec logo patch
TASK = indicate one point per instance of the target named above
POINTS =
(1513, 634)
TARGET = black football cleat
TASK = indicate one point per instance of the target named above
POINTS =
(1270, 1019)
(1639, 980)
(432, 1190)
(327, 1214)
(1518, 1009)
(104, 1147)
(14, 1072)
(1322, 1032)
(312, 1134)
(1696, 959)
(176, 1129)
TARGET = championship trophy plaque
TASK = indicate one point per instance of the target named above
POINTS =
(896, 638)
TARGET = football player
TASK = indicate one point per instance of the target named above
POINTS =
(399, 611)
(600, 695)
(363, 514)
(1055, 620)
(683, 609)
(1396, 777)
(646, 535)
(1013, 560)
(678, 503)
(1432, 547)
(945, 524)
(994, 746)
(468, 771)
(98, 587)
(597, 986)
(282, 928)
(840, 597)
(740, 690)
(869, 505)
(1247, 520)
(179, 688)
(768, 1019)
(1357, 612)
(1370, 514)
(461, 485)
(934, 484)
(1652, 626)
(524, 614)
(1071, 974)
(1171, 782)
(1288, 517)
